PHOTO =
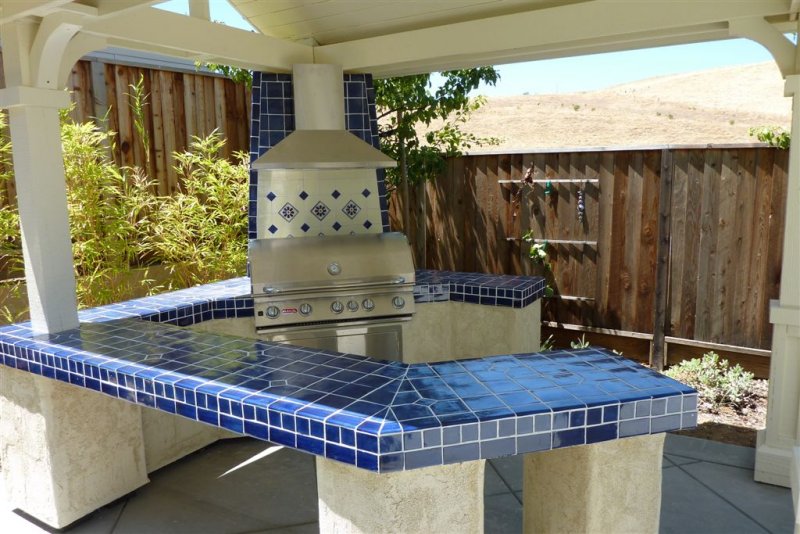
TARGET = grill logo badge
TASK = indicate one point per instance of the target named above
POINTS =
(288, 310)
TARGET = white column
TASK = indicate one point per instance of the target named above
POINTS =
(42, 201)
(782, 434)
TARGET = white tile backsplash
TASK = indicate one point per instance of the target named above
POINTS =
(312, 202)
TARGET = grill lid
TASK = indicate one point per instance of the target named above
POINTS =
(328, 262)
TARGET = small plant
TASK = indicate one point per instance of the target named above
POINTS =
(236, 74)
(731, 122)
(772, 135)
(547, 344)
(718, 383)
(137, 100)
(670, 116)
(580, 343)
(576, 107)
(538, 251)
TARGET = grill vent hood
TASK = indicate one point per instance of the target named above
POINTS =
(320, 140)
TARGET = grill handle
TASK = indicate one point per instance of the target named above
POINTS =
(271, 290)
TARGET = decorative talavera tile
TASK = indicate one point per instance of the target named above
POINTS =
(295, 203)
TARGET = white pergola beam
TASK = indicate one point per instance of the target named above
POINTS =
(146, 29)
(762, 32)
(17, 9)
(199, 9)
(593, 27)
(107, 8)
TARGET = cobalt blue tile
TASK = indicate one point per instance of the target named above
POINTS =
(577, 418)
(165, 405)
(423, 458)
(412, 441)
(391, 444)
(451, 435)
(561, 420)
(186, 410)
(607, 432)
(488, 430)
(348, 437)
(507, 427)
(567, 438)
(341, 454)
(610, 413)
(257, 430)
(627, 410)
(231, 423)
(525, 425)
(461, 453)
(534, 442)
(282, 437)
(594, 416)
(496, 448)
(366, 442)
(314, 446)
(674, 404)
(432, 437)
(367, 461)
(665, 423)
(391, 463)
(634, 427)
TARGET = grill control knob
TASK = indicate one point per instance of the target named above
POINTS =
(273, 312)
(337, 307)
(352, 305)
(368, 304)
(398, 302)
(305, 309)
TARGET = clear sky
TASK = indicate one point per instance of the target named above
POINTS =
(582, 73)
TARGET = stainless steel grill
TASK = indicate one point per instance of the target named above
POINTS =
(357, 288)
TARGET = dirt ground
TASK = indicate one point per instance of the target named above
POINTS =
(728, 426)
(708, 107)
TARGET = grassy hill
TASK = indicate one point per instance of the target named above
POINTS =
(707, 107)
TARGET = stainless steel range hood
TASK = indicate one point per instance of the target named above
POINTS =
(320, 140)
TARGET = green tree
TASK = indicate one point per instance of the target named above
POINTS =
(409, 102)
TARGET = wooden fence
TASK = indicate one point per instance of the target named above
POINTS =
(179, 105)
(725, 216)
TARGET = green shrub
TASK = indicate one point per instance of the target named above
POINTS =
(118, 222)
(717, 382)
(200, 232)
(773, 136)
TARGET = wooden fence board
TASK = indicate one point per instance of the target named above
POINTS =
(759, 298)
(708, 246)
(727, 209)
(742, 261)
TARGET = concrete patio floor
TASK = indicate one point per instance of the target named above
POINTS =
(248, 486)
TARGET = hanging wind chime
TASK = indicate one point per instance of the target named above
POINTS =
(581, 205)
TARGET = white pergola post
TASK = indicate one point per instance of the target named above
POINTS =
(32, 57)
(782, 434)
(42, 202)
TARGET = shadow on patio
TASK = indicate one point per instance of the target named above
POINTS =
(247, 486)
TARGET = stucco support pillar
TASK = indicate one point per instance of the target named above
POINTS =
(42, 201)
(65, 451)
(604, 487)
(446, 498)
(782, 433)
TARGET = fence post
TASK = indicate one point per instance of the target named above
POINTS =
(657, 359)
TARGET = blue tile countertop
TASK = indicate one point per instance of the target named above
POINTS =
(377, 415)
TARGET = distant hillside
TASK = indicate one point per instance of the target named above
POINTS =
(714, 106)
